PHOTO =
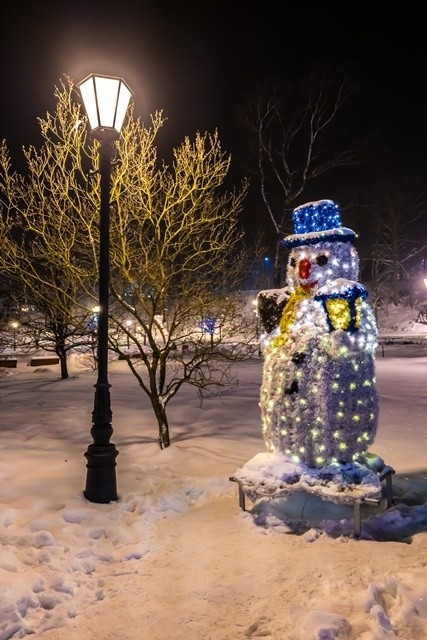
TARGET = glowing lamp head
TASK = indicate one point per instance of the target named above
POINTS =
(106, 100)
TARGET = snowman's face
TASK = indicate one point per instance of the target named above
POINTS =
(311, 267)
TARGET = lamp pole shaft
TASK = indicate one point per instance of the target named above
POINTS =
(101, 485)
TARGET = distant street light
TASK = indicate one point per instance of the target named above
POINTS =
(128, 324)
(106, 100)
(255, 309)
(268, 272)
(14, 324)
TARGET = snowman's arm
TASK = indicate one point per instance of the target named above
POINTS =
(343, 308)
(339, 314)
(270, 305)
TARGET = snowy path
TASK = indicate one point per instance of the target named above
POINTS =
(215, 576)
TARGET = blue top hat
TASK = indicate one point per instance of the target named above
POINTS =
(317, 222)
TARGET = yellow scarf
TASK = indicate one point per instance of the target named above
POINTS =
(288, 315)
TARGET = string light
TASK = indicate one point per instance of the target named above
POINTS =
(319, 361)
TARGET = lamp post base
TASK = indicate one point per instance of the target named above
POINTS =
(101, 483)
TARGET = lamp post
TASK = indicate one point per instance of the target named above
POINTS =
(14, 324)
(106, 100)
(128, 324)
(255, 308)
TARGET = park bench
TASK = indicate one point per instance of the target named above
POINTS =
(134, 355)
(8, 363)
(382, 503)
(39, 361)
(400, 338)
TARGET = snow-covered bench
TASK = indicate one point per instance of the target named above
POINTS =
(281, 481)
(39, 361)
(400, 338)
(8, 362)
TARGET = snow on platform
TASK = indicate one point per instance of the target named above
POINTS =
(275, 475)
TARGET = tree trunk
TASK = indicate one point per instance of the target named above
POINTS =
(277, 278)
(62, 355)
(162, 421)
(395, 287)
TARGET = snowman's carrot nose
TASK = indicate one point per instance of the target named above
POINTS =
(304, 269)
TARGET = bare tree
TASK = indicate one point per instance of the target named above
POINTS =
(50, 226)
(177, 266)
(399, 248)
(177, 255)
(298, 141)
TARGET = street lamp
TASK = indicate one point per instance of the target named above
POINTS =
(255, 309)
(128, 324)
(14, 324)
(106, 100)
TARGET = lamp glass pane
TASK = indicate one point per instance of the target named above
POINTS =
(122, 105)
(87, 90)
(107, 93)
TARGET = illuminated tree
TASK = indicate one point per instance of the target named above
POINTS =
(50, 225)
(176, 267)
(177, 258)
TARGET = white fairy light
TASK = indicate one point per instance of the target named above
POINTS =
(322, 347)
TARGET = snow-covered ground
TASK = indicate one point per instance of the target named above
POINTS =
(403, 319)
(175, 557)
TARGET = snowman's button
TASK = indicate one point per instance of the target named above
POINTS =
(292, 389)
(298, 357)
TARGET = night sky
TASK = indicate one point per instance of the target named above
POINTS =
(203, 63)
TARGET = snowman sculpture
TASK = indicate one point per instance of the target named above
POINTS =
(318, 399)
